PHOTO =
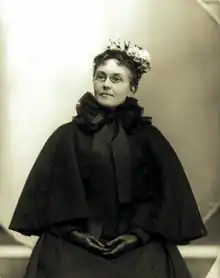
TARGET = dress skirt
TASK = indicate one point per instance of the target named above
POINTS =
(53, 257)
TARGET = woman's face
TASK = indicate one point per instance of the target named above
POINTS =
(111, 83)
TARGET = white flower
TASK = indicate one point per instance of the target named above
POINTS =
(137, 59)
(131, 51)
(145, 54)
(138, 54)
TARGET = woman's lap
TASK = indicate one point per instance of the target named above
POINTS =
(55, 258)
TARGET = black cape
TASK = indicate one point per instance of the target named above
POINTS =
(46, 201)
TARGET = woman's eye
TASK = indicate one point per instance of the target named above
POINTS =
(100, 77)
(115, 79)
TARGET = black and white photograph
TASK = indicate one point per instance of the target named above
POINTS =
(110, 139)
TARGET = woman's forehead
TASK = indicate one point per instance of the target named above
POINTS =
(112, 66)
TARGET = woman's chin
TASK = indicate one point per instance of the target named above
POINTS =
(106, 101)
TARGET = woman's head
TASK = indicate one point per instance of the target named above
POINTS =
(116, 74)
(113, 78)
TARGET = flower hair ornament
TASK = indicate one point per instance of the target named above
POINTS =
(139, 55)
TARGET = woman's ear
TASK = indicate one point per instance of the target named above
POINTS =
(133, 90)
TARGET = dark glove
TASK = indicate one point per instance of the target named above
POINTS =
(122, 244)
(87, 241)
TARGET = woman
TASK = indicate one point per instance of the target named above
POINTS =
(108, 195)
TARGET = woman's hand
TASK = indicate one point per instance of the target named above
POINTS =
(121, 244)
(88, 242)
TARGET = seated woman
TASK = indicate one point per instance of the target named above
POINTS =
(107, 195)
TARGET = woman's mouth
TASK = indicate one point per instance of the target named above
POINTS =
(106, 94)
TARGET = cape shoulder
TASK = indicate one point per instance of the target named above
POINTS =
(156, 138)
(62, 130)
(57, 136)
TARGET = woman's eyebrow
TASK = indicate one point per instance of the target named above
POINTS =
(114, 73)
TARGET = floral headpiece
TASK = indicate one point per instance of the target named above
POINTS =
(137, 53)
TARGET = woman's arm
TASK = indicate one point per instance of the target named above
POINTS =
(63, 229)
(143, 236)
(74, 233)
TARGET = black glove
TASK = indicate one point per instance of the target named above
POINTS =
(121, 245)
(87, 241)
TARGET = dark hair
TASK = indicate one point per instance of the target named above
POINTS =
(123, 59)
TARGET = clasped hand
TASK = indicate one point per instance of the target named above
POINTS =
(121, 244)
(113, 248)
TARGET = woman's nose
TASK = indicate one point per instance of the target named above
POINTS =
(107, 83)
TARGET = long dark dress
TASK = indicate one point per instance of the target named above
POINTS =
(107, 173)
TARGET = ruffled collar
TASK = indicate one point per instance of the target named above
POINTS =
(91, 115)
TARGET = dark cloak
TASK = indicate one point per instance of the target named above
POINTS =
(54, 191)
(154, 202)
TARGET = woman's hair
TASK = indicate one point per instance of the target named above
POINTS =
(124, 60)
